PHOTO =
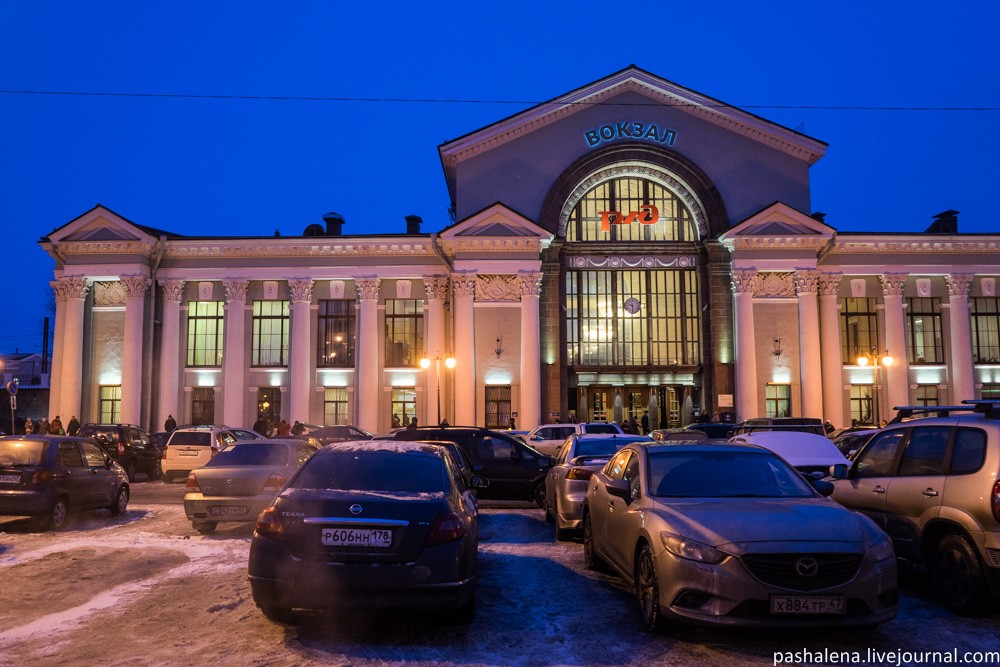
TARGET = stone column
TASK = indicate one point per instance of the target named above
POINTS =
(234, 355)
(810, 357)
(464, 285)
(833, 366)
(436, 344)
(369, 391)
(962, 369)
(300, 365)
(531, 376)
(897, 376)
(170, 353)
(55, 370)
(744, 282)
(71, 375)
(132, 386)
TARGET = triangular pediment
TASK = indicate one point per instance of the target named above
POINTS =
(777, 224)
(101, 224)
(496, 221)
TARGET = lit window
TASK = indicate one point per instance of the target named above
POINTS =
(270, 333)
(110, 403)
(204, 333)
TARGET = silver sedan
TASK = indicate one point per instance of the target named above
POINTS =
(730, 534)
(241, 480)
(579, 457)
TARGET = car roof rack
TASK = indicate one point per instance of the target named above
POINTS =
(991, 409)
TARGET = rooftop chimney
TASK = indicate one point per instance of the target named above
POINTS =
(334, 224)
(818, 216)
(413, 224)
(945, 222)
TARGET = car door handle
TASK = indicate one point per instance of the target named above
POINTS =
(930, 493)
(878, 489)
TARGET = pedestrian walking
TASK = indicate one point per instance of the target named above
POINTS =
(74, 426)
(43, 427)
(170, 424)
(284, 428)
(56, 427)
(29, 426)
(299, 428)
(645, 422)
(412, 424)
(260, 426)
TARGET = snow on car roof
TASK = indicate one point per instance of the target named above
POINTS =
(796, 447)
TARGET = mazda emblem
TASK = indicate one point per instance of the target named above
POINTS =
(807, 567)
(229, 482)
(357, 509)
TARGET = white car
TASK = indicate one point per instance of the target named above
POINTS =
(807, 452)
(547, 438)
(190, 448)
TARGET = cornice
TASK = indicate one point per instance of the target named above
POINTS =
(499, 244)
(912, 246)
(129, 247)
(252, 248)
(811, 242)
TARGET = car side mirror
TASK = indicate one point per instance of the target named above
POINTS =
(838, 471)
(823, 487)
(478, 482)
(620, 488)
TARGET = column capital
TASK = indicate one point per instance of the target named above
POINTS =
(829, 283)
(135, 286)
(806, 281)
(959, 283)
(530, 283)
(368, 287)
(172, 290)
(236, 290)
(70, 287)
(464, 284)
(744, 280)
(436, 286)
(893, 283)
(301, 289)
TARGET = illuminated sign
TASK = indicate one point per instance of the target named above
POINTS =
(647, 215)
(630, 129)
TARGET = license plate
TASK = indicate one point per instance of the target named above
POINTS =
(355, 537)
(806, 604)
(238, 510)
(10, 479)
(188, 453)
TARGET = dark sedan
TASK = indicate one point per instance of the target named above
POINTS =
(48, 476)
(373, 524)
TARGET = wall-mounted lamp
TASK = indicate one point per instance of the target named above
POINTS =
(777, 347)
(499, 347)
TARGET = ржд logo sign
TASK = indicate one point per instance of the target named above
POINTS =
(647, 215)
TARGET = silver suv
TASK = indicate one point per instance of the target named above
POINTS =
(931, 481)
(191, 447)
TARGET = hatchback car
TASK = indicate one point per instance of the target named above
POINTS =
(242, 480)
(729, 534)
(566, 482)
(369, 523)
(48, 476)
(191, 447)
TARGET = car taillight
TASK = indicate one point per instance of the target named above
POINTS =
(995, 501)
(579, 473)
(447, 528)
(269, 524)
(192, 483)
(47, 476)
(163, 455)
(121, 449)
(274, 482)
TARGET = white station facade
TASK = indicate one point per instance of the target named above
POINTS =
(629, 247)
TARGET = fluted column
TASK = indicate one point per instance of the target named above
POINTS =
(300, 365)
(132, 386)
(531, 375)
(234, 355)
(55, 370)
(436, 344)
(464, 286)
(71, 376)
(369, 392)
(962, 370)
(169, 352)
(744, 282)
(897, 376)
(833, 365)
(810, 357)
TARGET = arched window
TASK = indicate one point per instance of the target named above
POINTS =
(630, 208)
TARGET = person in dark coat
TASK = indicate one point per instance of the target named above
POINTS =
(260, 426)
(298, 428)
(73, 427)
(56, 427)
(170, 424)
(412, 424)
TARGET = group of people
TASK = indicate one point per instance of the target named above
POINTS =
(634, 427)
(54, 427)
(266, 428)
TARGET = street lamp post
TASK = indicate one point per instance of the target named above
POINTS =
(877, 360)
(425, 363)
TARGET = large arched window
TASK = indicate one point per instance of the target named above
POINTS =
(630, 208)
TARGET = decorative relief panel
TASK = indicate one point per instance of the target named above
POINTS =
(436, 287)
(631, 262)
(859, 288)
(337, 289)
(988, 286)
(923, 287)
(404, 289)
(772, 285)
(270, 290)
(493, 287)
(206, 290)
(109, 294)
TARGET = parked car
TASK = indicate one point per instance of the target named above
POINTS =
(714, 430)
(566, 482)
(802, 424)
(159, 440)
(127, 444)
(807, 452)
(729, 534)
(244, 434)
(368, 523)
(191, 447)
(328, 434)
(48, 476)
(515, 470)
(677, 434)
(547, 438)
(933, 484)
(849, 443)
(241, 480)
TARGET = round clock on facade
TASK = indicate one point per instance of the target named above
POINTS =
(632, 305)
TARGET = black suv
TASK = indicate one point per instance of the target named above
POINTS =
(127, 444)
(515, 470)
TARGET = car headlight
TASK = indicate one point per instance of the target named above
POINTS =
(882, 550)
(881, 546)
(683, 547)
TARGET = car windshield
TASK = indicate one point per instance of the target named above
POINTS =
(191, 438)
(600, 428)
(726, 474)
(598, 447)
(250, 454)
(15, 453)
(109, 434)
(378, 471)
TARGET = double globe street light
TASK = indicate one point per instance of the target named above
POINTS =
(877, 360)
(425, 363)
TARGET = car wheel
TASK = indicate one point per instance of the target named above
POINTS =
(647, 590)
(549, 516)
(168, 477)
(958, 576)
(130, 471)
(121, 501)
(539, 494)
(56, 517)
(206, 527)
(590, 558)
(157, 471)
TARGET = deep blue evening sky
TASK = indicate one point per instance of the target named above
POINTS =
(247, 167)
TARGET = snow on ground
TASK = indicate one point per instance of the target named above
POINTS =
(146, 589)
